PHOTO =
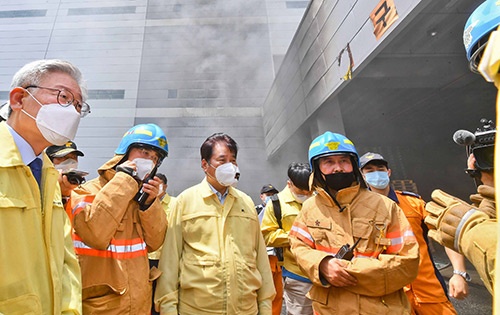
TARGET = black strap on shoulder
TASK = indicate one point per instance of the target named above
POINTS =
(277, 209)
(277, 213)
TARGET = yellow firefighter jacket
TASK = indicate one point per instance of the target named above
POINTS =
(385, 260)
(112, 238)
(214, 258)
(276, 237)
(478, 241)
(39, 272)
(165, 203)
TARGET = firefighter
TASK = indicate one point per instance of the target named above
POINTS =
(118, 218)
(345, 214)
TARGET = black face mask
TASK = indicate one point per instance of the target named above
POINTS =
(338, 181)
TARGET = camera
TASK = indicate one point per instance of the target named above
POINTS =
(484, 145)
(75, 177)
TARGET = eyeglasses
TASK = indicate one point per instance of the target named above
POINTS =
(65, 98)
(149, 154)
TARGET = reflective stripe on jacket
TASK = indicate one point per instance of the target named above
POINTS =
(112, 238)
(386, 258)
(39, 272)
(214, 259)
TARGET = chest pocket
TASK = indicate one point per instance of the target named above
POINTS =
(6, 203)
(241, 228)
(201, 230)
(363, 229)
(321, 231)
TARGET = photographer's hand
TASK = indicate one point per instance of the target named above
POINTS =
(471, 160)
(66, 186)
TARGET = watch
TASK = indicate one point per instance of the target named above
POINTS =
(464, 274)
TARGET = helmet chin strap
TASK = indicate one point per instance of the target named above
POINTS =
(328, 190)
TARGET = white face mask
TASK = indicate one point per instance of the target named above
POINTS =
(56, 123)
(67, 165)
(300, 198)
(162, 191)
(227, 174)
(143, 167)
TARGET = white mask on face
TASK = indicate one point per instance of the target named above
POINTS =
(227, 174)
(67, 165)
(300, 198)
(161, 192)
(143, 167)
(56, 123)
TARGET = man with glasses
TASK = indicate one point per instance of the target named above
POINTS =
(39, 270)
(118, 218)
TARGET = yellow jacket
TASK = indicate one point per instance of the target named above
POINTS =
(385, 260)
(39, 272)
(165, 203)
(214, 259)
(276, 237)
(478, 241)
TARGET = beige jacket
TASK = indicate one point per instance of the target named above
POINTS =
(112, 238)
(39, 272)
(165, 203)
(386, 258)
(214, 259)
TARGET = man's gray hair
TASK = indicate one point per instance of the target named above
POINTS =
(32, 73)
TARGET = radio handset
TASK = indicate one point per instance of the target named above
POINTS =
(141, 195)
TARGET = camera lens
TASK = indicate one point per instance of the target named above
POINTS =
(75, 179)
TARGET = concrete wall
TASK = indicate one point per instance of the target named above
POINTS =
(193, 67)
(312, 71)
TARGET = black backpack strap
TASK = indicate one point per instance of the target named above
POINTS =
(277, 213)
(277, 209)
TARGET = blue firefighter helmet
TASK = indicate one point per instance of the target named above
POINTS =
(331, 143)
(478, 27)
(146, 135)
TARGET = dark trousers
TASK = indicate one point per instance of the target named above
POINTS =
(153, 263)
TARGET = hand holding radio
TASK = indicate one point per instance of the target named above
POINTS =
(149, 190)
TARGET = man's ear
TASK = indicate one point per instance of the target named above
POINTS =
(204, 165)
(389, 172)
(16, 98)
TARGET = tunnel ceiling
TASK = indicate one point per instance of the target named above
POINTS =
(411, 98)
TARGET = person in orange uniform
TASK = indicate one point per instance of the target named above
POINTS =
(427, 293)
